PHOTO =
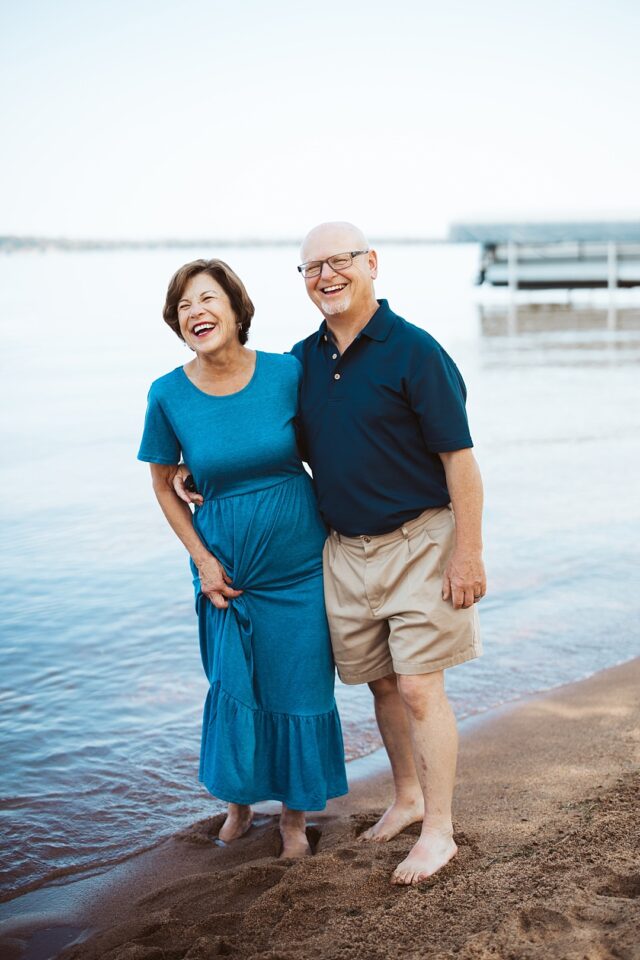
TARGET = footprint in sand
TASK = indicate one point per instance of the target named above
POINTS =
(352, 858)
(362, 822)
(625, 887)
(346, 854)
(539, 923)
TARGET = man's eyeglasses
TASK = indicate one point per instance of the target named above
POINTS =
(339, 261)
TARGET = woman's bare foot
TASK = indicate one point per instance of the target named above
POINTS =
(294, 838)
(432, 851)
(239, 820)
(401, 814)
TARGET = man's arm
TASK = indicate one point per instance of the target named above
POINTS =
(189, 496)
(464, 580)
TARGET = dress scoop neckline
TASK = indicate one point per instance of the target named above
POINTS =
(224, 396)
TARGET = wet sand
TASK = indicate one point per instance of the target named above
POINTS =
(548, 831)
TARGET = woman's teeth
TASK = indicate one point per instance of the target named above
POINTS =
(201, 328)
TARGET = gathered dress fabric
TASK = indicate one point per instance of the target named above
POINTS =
(271, 729)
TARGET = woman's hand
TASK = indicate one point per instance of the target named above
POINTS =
(215, 583)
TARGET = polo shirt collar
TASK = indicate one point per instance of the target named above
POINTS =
(378, 328)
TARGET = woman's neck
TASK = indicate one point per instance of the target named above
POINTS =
(230, 369)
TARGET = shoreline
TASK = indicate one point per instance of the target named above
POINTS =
(519, 763)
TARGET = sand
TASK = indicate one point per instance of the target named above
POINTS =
(547, 823)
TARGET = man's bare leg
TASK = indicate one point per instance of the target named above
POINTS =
(408, 804)
(239, 819)
(434, 736)
(293, 833)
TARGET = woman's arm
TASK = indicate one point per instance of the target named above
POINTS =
(214, 581)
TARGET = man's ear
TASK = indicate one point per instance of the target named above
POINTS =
(372, 258)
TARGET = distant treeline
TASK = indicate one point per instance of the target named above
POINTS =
(43, 244)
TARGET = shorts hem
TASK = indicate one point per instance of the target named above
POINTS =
(409, 669)
(367, 676)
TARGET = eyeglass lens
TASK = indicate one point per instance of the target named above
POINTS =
(340, 261)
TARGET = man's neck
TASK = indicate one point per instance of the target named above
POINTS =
(345, 327)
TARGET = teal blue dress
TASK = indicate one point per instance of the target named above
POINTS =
(271, 729)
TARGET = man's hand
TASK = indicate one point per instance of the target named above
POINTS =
(216, 584)
(464, 581)
(178, 485)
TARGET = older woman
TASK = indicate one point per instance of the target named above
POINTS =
(271, 728)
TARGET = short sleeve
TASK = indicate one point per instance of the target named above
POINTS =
(437, 394)
(301, 443)
(159, 442)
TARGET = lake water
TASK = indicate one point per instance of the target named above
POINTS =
(101, 681)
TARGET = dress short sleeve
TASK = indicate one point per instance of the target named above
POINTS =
(437, 394)
(159, 442)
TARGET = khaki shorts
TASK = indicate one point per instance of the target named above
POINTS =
(384, 602)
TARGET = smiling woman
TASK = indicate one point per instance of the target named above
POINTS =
(271, 729)
(207, 283)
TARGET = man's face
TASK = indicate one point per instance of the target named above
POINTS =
(349, 289)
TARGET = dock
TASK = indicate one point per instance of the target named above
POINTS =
(555, 256)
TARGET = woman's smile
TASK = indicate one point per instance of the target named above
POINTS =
(205, 315)
(202, 328)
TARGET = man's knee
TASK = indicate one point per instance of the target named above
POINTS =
(422, 691)
(384, 686)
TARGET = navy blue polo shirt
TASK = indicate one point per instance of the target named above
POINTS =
(374, 419)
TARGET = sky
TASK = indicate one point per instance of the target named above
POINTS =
(138, 119)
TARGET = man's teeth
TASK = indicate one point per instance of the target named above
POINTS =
(336, 287)
(202, 327)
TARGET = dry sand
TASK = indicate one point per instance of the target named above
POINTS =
(547, 817)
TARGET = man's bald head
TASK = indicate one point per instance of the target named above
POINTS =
(333, 237)
(337, 290)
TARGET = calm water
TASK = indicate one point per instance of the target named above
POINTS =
(102, 685)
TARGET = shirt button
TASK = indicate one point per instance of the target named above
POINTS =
(334, 356)
(326, 337)
(336, 376)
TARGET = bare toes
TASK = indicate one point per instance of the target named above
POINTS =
(369, 837)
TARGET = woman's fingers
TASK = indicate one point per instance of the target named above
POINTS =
(229, 591)
(218, 595)
(215, 583)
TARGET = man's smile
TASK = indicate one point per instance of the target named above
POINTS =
(333, 288)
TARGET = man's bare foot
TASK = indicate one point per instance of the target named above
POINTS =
(294, 837)
(426, 857)
(394, 820)
(239, 820)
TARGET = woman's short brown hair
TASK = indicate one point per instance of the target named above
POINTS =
(230, 282)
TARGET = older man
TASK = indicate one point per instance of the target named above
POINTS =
(386, 435)
(384, 427)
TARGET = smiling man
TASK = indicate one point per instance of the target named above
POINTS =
(384, 427)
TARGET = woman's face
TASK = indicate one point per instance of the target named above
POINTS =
(207, 322)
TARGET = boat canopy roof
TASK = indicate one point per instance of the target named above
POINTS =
(620, 231)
